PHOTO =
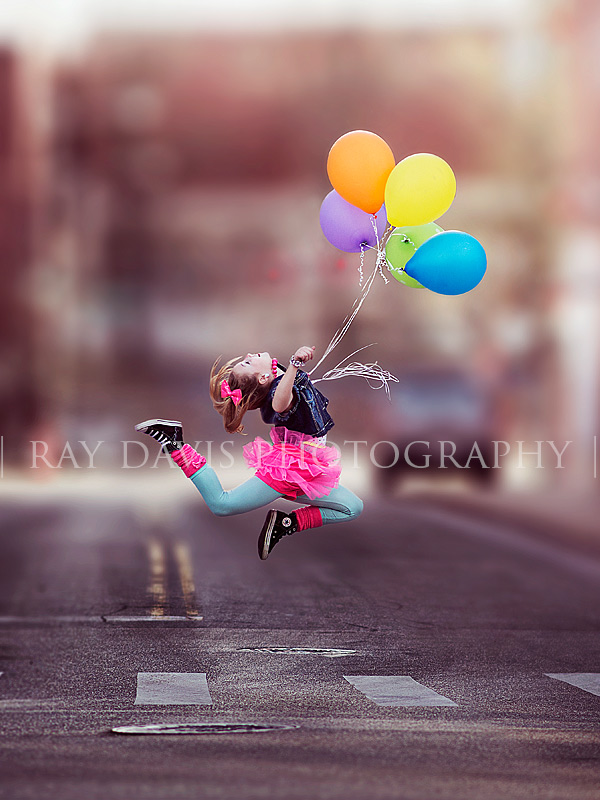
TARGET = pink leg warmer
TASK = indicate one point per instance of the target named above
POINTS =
(308, 517)
(188, 459)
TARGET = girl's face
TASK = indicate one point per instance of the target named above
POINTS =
(256, 365)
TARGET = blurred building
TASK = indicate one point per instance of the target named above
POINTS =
(18, 388)
(576, 216)
(177, 214)
(206, 159)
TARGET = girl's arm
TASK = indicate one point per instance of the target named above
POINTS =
(284, 396)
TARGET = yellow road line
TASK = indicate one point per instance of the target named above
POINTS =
(186, 576)
(157, 581)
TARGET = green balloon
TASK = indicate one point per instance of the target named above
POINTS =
(401, 247)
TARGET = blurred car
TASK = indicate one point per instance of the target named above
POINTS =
(440, 420)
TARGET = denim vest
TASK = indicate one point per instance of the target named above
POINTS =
(308, 413)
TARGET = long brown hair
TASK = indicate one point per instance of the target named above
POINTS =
(253, 394)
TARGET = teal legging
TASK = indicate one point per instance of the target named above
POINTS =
(337, 506)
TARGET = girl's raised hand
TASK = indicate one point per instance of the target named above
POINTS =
(304, 353)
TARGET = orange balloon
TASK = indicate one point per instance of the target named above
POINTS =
(358, 165)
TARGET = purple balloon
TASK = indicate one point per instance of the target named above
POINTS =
(347, 227)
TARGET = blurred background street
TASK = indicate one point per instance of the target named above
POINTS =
(161, 181)
(162, 166)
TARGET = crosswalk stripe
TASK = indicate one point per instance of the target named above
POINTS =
(172, 689)
(588, 681)
(397, 690)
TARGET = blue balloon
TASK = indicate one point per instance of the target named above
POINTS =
(451, 262)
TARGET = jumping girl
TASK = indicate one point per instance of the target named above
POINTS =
(297, 466)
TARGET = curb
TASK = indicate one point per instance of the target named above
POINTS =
(577, 531)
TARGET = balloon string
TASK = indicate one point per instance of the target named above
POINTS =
(374, 226)
(361, 265)
(341, 332)
(380, 259)
(373, 373)
(405, 239)
(386, 236)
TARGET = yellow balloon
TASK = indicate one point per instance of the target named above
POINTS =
(419, 190)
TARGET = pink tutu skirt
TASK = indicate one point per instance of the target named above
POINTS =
(294, 464)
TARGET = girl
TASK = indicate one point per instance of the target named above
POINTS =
(297, 465)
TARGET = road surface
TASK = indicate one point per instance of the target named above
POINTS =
(122, 613)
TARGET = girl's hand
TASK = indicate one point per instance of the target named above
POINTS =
(304, 354)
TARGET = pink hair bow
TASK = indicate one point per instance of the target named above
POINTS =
(236, 394)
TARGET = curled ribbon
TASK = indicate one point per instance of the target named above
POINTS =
(236, 394)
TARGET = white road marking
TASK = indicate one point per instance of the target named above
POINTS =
(202, 728)
(49, 620)
(172, 689)
(135, 620)
(327, 652)
(588, 681)
(99, 620)
(157, 581)
(397, 690)
(183, 559)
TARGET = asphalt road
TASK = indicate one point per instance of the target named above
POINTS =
(92, 594)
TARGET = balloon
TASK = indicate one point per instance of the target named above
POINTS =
(347, 227)
(419, 189)
(450, 262)
(358, 166)
(403, 244)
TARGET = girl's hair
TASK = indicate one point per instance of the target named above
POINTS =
(253, 394)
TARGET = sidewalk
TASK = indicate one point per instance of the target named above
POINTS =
(156, 487)
(566, 519)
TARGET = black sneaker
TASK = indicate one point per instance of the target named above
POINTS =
(168, 432)
(277, 525)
